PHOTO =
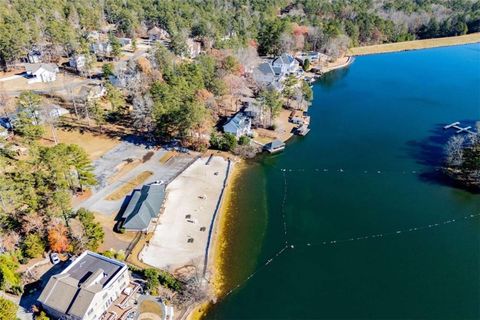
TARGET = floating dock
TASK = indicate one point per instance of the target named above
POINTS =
(302, 130)
(456, 125)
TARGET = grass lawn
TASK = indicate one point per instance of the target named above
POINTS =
(95, 145)
(416, 44)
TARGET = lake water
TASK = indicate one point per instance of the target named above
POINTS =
(367, 167)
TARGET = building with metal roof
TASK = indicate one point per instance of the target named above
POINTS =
(144, 207)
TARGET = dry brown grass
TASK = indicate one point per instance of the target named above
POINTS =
(95, 145)
(126, 188)
(133, 256)
(167, 156)
(415, 45)
(123, 168)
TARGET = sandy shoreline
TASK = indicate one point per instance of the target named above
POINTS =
(216, 262)
(415, 45)
(185, 230)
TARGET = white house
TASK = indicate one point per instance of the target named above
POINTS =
(239, 125)
(101, 48)
(86, 288)
(287, 63)
(41, 72)
(78, 62)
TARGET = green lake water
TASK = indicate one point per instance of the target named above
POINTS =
(377, 127)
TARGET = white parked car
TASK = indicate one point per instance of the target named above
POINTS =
(54, 258)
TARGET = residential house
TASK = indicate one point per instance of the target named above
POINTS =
(194, 48)
(143, 208)
(41, 72)
(34, 56)
(78, 62)
(125, 42)
(312, 56)
(92, 92)
(86, 288)
(287, 63)
(253, 110)
(239, 125)
(266, 75)
(101, 48)
(156, 34)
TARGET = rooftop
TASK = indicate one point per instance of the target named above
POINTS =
(34, 67)
(72, 291)
(144, 205)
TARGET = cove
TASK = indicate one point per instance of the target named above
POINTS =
(368, 166)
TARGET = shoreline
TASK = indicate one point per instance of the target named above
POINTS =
(216, 282)
(415, 45)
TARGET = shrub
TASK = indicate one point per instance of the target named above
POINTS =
(225, 142)
(153, 282)
(107, 70)
(9, 278)
(8, 309)
(306, 65)
(42, 316)
(93, 230)
(34, 246)
(244, 140)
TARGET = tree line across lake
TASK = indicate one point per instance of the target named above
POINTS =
(275, 25)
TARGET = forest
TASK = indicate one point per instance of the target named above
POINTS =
(275, 25)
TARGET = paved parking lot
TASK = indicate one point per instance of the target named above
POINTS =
(108, 165)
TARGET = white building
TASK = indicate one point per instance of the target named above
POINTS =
(287, 63)
(86, 288)
(239, 125)
(78, 62)
(41, 72)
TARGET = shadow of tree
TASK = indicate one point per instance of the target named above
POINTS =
(33, 290)
(430, 153)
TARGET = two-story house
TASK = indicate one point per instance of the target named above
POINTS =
(287, 63)
(86, 288)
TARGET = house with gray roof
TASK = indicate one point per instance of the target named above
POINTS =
(286, 63)
(86, 288)
(239, 125)
(41, 72)
(264, 74)
(143, 208)
(268, 75)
